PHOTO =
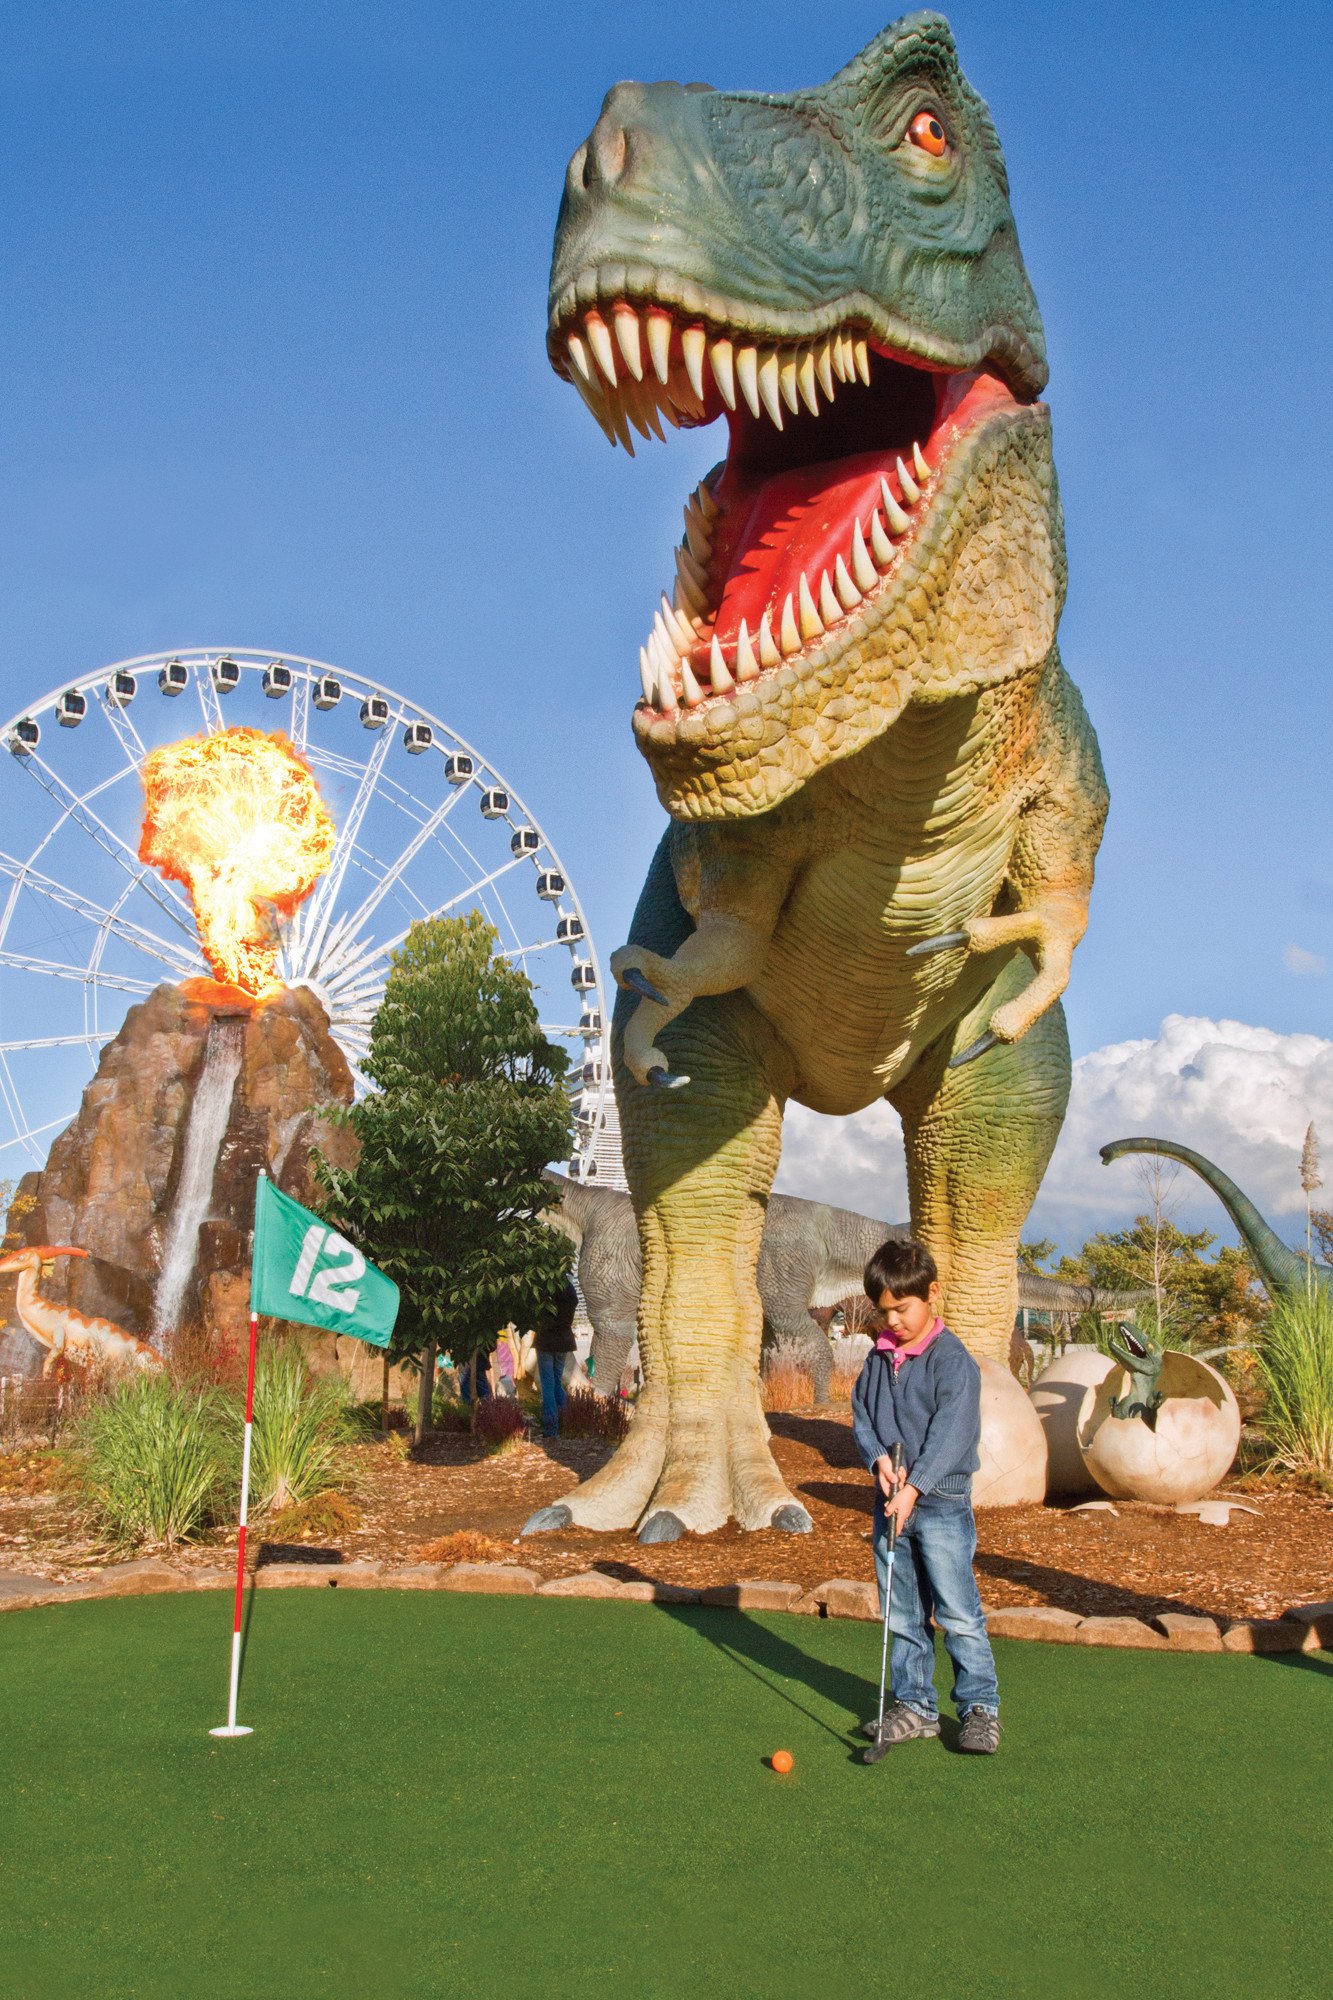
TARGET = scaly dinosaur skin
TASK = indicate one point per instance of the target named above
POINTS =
(854, 710)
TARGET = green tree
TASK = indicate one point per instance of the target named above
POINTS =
(1031, 1256)
(1211, 1301)
(469, 1106)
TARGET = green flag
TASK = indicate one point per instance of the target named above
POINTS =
(305, 1271)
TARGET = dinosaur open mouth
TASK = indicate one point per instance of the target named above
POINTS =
(836, 450)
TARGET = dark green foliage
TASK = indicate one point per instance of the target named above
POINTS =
(468, 1110)
(1206, 1300)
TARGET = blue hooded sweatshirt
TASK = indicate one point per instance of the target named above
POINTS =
(930, 1404)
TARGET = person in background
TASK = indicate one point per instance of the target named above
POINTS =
(553, 1339)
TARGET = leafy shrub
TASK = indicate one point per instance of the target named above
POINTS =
(1295, 1367)
(152, 1458)
(322, 1518)
(300, 1421)
(786, 1383)
(586, 1414)
(498, 1421)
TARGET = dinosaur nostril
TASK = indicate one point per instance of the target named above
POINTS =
(608, 151)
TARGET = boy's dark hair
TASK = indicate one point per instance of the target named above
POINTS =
(905, 1270)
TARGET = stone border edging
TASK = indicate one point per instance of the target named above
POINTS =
(1302, 1628)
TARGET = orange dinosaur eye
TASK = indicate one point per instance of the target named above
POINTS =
(926, 132)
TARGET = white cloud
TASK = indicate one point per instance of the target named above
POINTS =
(1305, 964)
(1239, 1094)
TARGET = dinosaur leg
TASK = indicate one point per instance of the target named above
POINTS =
(978, 1142)
(796, 1329)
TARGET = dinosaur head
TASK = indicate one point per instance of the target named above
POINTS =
(836, 274)
(1142, 1357)
(36, 1254)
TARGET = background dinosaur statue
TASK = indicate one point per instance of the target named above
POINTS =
(881, 782)
(812, 1256)
(65, 1333)
(1281, 1269)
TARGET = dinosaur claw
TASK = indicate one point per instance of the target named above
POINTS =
(663, 1526)
(978, 1048)
(547, 1520)
(947, 941)
(665, 1079)
(792, 1519)
(639, 982)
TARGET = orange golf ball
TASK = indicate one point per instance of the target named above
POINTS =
(782, 1761)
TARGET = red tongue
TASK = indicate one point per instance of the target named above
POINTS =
(797, 522)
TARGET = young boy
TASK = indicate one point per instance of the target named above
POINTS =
(921, 1388)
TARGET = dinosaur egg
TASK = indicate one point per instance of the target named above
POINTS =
(1183, 1455)
(1057, 1397)
(1012, 1471)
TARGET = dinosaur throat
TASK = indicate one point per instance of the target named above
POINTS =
(836, 451)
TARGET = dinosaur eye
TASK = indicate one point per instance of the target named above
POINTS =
(926, 132)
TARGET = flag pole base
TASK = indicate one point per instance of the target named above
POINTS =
(232, 1729)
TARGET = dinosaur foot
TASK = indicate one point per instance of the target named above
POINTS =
(547, 1520)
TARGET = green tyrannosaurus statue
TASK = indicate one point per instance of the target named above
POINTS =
(885, 795)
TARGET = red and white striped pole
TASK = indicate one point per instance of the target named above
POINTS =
(231, 1727)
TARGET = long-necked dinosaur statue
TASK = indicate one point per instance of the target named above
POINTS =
(68, 1335)
(1280, 1268)
(885, 795)
(812, 1255)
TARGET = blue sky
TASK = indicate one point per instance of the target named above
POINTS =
(272, 368)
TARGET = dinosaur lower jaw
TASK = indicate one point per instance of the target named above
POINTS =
(838, 449)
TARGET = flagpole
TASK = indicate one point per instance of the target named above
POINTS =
(231, 1727)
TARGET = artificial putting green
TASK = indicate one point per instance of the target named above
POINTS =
(455, 1795)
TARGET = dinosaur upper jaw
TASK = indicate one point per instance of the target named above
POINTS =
(841, 461)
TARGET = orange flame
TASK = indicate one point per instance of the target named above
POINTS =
(237, 819)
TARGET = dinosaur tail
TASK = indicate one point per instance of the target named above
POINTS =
(1280, 1268)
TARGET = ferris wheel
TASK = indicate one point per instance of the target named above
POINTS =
(425, 827)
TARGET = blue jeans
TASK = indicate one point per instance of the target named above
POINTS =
(551, 1375)
(932, 1576)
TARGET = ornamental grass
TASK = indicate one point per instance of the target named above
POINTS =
(1295, 1367)
(301, 1422)
(153, 1462)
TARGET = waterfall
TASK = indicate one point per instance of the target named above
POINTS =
(204, 1131)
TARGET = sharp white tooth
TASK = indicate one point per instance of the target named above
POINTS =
(666, 643)
(924, 468)
(880, 545)
(597, 407)
(811, 622)
(724, 371)
(599, 339)
(666, 694)
(705, 502)
(790, 637)
(898, 521)
(848, 594)
(697, 536)
(842, 357)
(863, 569)
(824, 368)
(680, 601)
(621, 428)
(658, 325)
(747, 374)
(768, 387)
(627, 340)
(747, 667)
(641, 413)
(690, 570)
(692, 345)
(648, 677)
(908, 487)
(652, 415)
(829, 608)
(862, 356)
(691, 692)
(787, 382)
(805, 376)
(578, 359)
(768, 652)
(718, 672)
(678, 626)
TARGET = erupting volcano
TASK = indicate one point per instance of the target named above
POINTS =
(237, 819)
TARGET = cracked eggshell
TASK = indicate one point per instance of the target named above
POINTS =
(1057, 1397)
(1012, 1472)
(1192, 1447)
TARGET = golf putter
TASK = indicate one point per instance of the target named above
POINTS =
(876, 1749)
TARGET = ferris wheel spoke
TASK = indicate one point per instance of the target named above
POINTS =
(391, 875)
(85, 1039)
(22, 961)
(300, 709)
(124, 731)
(209, 704)
(111, 843)
(108, 922)
(314, 920)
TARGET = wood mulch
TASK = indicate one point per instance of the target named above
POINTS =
(451, 1502)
